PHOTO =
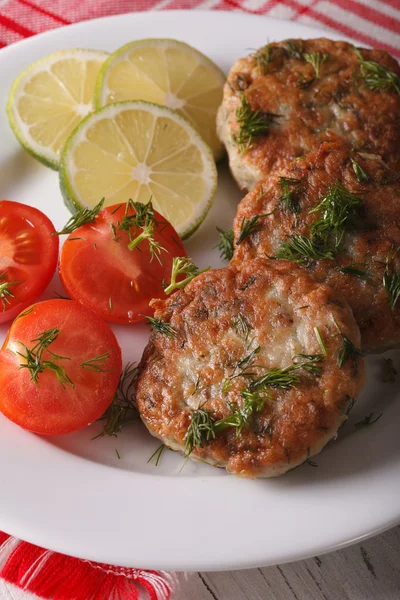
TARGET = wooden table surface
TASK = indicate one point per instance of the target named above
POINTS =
(366, 571)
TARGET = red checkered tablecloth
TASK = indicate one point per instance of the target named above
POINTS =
(25, 568)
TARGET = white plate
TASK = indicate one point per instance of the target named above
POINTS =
(73, 495)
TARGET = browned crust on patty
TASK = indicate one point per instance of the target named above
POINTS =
(374, 232)
(337, 106)
(282, 304)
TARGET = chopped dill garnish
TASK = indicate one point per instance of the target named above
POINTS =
(327, 232)
(35, 363)
(240, 415)
(249, 282)
(200, 431)
(83, 216)
(122, 409)
(360, 173)
(263, 57)
(347, 350)
(242, 326)
(316, 59)
(60, 296)
(225, 246)
(293, 50)
(352, 269)
(300, 249)
(252, 124)
(241, 367)
(389, 372)
(182, 265)
(391, 279)
(320, 341)
(26, 312)
(351, 402)
(368, 420)
(115, 237)
(118, 454)
(110, 303)
(144, 219)
(98, 363)
(249, 226)
(287, 197)
(5, 292)
(376, 77)
(157, 455)
(161, 326)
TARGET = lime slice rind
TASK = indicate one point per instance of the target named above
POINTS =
(103, 91)
(68, 170)
(21, 130)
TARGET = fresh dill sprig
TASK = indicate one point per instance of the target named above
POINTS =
(83, 216)
(242, 326)
(327, 232)
(360, 173)
(182, 265)
(157, 455)
(263, 58)
(391, 279)
(300, 249)
(226, 243)
(347, 350)
(335, 208)
(248, 227)
(368, 420)
(26, 312)
(376, 77)
(287, 197)
(242, 366)
(200, 431)
(316, 59)
(309, 362)
(34, 362)
(240, 415)
(161, 326)
(98, 363)
(320, 341)
(252, 124)
(389, 371)
(353, 269)
(122, 409)
(144, 219)
(5, 292)
(293, 50)
(289, 376)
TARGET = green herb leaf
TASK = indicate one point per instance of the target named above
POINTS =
(122, 409)
(391, 279)
(361, 175)
(293, 50)
(352, 269)
(182, 266)
(161, 326)
(368, 420)
(287, 197)
(83, 216)
(242, 326)
(376, 77)
(316, 59)
(263, 58)
(157, 455)
(200, 431)
(301, 249)
(5, 290)
(252, 124)
(320, 341)
(34, 362)
(225, 246)
(143, 219)
(98, 363)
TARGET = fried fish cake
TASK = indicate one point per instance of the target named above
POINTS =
(250, 370)
(336, 213)
(284, 100)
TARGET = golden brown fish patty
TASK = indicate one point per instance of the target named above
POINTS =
(305, 104)
(231, 327)
(366, 255)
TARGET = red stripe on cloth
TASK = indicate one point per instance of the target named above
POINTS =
(44, 11)
(364, 11)
(180, 4)
(345, 29)
(3, 537)
(14, 26)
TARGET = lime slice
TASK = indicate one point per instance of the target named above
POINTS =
(170, 73)
(50, 97)
(140, 151)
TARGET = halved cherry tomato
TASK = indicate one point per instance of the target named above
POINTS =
(59, 368)
(98, 269)
(28, 256)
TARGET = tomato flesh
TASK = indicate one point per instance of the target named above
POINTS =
(48, 407)
(28, 256)
(98, 269)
